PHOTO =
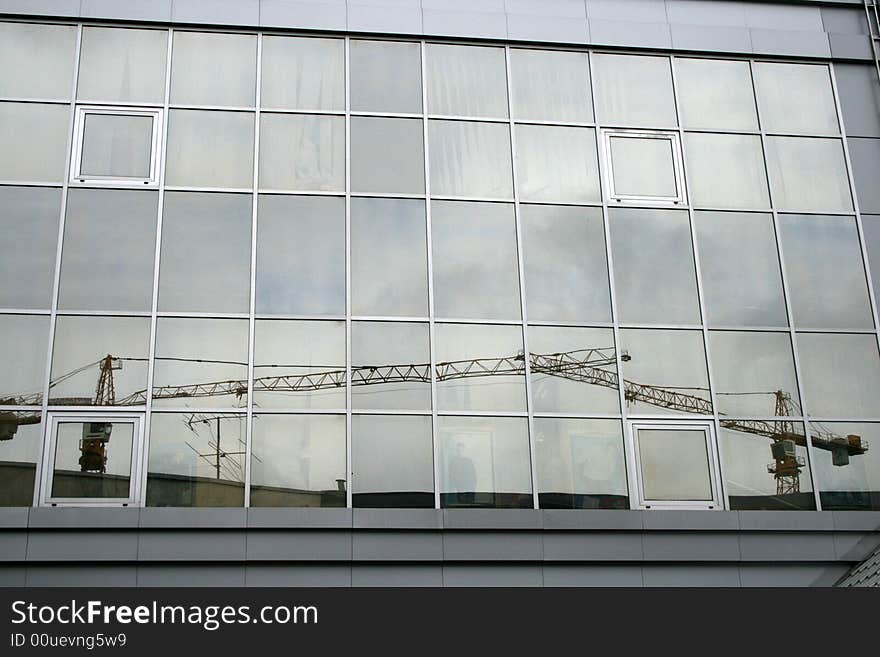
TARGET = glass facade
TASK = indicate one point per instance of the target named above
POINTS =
(395, 273)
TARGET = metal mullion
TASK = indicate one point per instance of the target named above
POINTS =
(34, 101)
(24, 311)
(29, 183)
(294, 192)
(224, 190)
(177, 410)
(460, 320)
(533, 467)
(386, 318)
(211, 108)
(349, 475)
(472, 119)
(522, 414)
(43, 456)
(786, 293)
(391, 411)
(103, 313)
(313, 112)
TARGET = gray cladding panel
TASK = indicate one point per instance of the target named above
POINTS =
(192, 545)
(397, 575)
(859, 99)
(82, 575)
(190, 575)
(321, 575)
(83, 545)
(691, 575)
(865, 156)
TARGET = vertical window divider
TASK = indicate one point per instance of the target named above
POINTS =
(349, 474)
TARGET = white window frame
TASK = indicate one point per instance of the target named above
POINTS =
(637, 494)
(635, 199)
(76, 175)
(134, 483)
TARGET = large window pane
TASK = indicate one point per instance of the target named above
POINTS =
(808, 174)
(654, 266)
(210, 149)
(117, 145)
(470, 159)
(644, 167)
(715, 94)
(392, 462)
(573, 370)
(633, 90)
(389, 265)
(200, 363)
(196, 460)
(386, 76)
(580, 464)
(387, 155)
(206, 247)
(466, 80)
(742, 285)
(566, 273)
(840, 374)
(557, 164)
(37, 60)
(484, 462)
(80, 473)
(754, 373)
(726, 171)
(23, 341)
(303, 73)
(33, 139)
(122, 65)
(826, 277)
(299, 364)
(664, 371)
(550, 85)
(847, 469)
(312, 283)
(214, 69)
(108, 250)
(390, 366)
(302, 152)
(475, 260)
(479, 368)
(795, 98)
(90, 353)
(28, 238)
(751, 466)
(298, 460)
(19, 451)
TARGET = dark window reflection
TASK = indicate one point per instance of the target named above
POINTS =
(20, 440)
(847, 461)
(92, 460)
(196, 459)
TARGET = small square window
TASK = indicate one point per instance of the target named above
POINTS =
(643, 166)
(116, 146)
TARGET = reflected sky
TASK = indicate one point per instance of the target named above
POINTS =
(550, 86)
(23, 340)
(302, 73)
(466, 80)
(391, 454)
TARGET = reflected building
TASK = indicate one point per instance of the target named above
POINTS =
(433, 280)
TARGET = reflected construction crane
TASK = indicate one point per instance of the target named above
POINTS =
(581, 365)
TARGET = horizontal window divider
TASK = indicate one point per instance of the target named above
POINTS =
(42, 101)
(663, 327)
(391, 195)
(839, 331)
(298, 411)
(803, 134)
(721, 131)
(474, 119)
(648, 129)
(559, 124)
(385, 318)
(200, 410)
(384, 411)
(24, 311)
(522, 414)
(181, 314)
(218, 190)
(308, 318)
(102, 313)
(118, 103)
(707, 208)
(113, 183)
(31, 183)
(850, 420)
(215, 108)
(96, 409)
(577, 204)
(472, 199)
(645, 204)
(293, 192)
(313, 112)
(389, 115)
(759, 418)
(509, 322)
(670, 416)
(834, 213)
(602, 325)
(755, 329)
(577, 416)
(17, 407)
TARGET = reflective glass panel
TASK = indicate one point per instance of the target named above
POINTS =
(654, 273)
(766, 466)
(871, 234)
(117, 145)
(213, 68)
(566, 273)
(302, 152)
(556, 163)
(466, 80)
(390, 366)
(122, 65)
(37, 60)
(726, 171)
(475, 260)
(206, 247)
(28, 239)
(386, 76)
(754, 373)
(92, 460)
(210, 149)
(664, 371)
(108, 250)
(715, 94)
(739, 263)
(200, 363)
(312, 283)
(470, 159)
(550, 85)
(674, 464)
(633, 90)
(33, 139)
(847, 465)
(298, 460)
(389, 264)
(808, 174)
(643, 167)
(100, 361)
(196, 460)
(795, 98)
(19, 450)
(23, 340)
(573, 370)
(387, 155)
(392, 462)
(299, 364)
(479, 368)
(484, 462)
(840, 374)
(303, 73)
(826, 276)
